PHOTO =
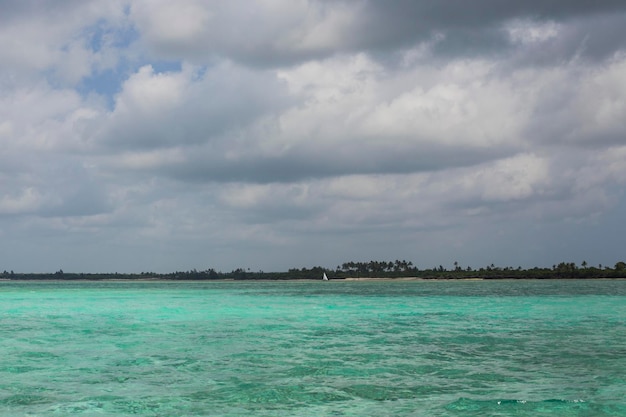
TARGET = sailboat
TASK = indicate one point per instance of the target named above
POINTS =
(324, 278)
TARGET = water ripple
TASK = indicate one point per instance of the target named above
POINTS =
(302, 349)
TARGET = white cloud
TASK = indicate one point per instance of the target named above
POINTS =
(325, 27)
(172, 24)
(146, 93)
(351, 104)
(40, 118)
(519, 177)
(257, 32)
(190, 107)
(52, 40)
(527, 31)
(601, 104)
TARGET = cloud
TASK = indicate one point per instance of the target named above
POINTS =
(57, 42)
(189, 107)
(260, 33)
(25, 202)
(288, 133)
(271, 33)
(334, 117)
(580, 105)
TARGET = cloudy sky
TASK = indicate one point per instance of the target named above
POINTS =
(152, 135)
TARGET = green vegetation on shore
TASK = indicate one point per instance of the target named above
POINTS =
(352, 270)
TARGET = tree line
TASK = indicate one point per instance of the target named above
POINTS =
(369, 269)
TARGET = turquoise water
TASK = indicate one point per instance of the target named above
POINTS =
(471, 348)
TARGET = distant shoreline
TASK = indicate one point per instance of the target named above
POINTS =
(349, 279)
(349, 271)
(418, 279)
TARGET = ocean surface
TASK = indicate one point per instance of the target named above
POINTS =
(420, 348)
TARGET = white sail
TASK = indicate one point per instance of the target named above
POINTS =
(324, 278)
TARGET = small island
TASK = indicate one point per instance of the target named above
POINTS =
(398, 269)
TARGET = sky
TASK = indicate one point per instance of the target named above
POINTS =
(152, 135)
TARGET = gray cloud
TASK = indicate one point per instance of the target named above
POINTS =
(292, 33)
(474, 25)
(290, 133)
(310, 163)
